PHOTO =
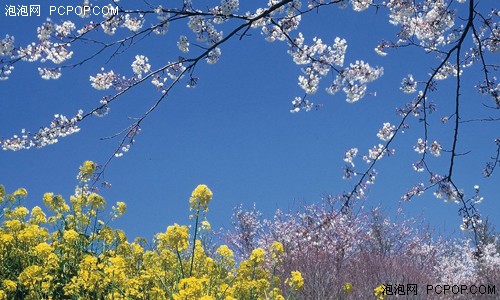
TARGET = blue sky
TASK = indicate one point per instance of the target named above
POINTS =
(234, 131)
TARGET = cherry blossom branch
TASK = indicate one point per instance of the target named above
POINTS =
(193, 63)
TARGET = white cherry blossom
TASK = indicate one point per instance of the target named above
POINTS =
(140, 65)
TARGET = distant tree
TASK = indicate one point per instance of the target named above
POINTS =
(463, 35)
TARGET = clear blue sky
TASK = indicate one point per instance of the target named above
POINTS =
(234, 131)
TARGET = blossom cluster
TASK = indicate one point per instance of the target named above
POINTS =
(183, 43)
(318, 59)
(280, 30)
(427, 21)
(386, 132)
(140, 65)
(46, 49)
(375, 153)
(133, 22)
(421, 147)
(353, 80)
(7, 46)
(103, 81)
(227, 7)
(59, 127)
(446, 189)
(350, 155)
(409, 85)
(416, 190)
(110, 79)
(204, 29)
(301, 103)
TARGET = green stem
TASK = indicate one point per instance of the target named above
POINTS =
(194, 242)
(180, 262)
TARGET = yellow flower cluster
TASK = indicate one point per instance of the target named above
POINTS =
(21, 192)
(119, 209)
(86, 171)
(277, 251)
(296, 281)
(72, 254)
(176, 238)
(200, 198)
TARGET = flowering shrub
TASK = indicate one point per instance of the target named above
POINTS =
(69, 251)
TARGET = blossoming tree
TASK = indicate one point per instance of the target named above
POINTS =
(463, 36)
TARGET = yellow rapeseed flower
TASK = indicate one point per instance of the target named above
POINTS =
(106, 234)
(21, 192)
(225, 251)
(258, 255)
(296, 281)
(96, 200)
(48, 198)
(200, 198)
(32, 234)
(276, 250)
(137, 249)
(14, 225)
(191, 288)
(43, 249)
(37, 216)
(20, 212)
(55, 203)
(30, 276)
(9, 285)
(176, 237)
(86, 171)
(6, 239)
(71, 235)
(119, 209)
